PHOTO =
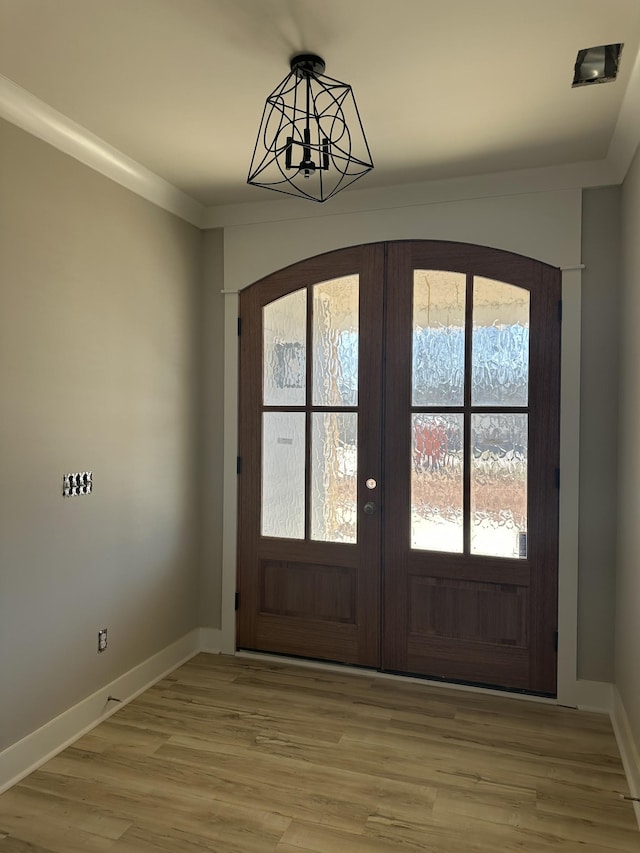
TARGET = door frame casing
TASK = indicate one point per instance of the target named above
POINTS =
(568, 685)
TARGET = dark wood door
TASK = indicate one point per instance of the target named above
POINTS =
(399, 437)
(471, 465)
(310, 439)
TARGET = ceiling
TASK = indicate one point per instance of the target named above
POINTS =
(445, 89)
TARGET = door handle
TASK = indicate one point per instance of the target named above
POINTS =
(369, 508)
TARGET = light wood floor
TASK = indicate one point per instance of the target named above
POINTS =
(228, 754)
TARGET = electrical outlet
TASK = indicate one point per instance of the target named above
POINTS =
(102, 639)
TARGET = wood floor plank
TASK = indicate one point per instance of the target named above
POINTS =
(16, 845)
(305, 789)
(23, 807)
(241, 756)
(324, 839)
(234, 829)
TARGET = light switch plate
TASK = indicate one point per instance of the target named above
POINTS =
(74, 485)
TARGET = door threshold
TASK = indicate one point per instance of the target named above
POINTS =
(362, 671)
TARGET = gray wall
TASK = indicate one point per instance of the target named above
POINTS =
(212, 422)
(111, 359)
(627, 636)
(598, 431)
(98, 370)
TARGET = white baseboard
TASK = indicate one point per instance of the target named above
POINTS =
(210, 640)
(593, 696)
(25, 756)
(627, 746)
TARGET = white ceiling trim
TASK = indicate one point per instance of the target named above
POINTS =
(626, 135)
(591, 173)
(23, 109)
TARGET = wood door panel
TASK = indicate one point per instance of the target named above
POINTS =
(303, 596)
(515, 572)
(479, 663)
(450, 608)
(308, 591)
(303, 551)
(381, 602)
(315, 639)
(434, 603)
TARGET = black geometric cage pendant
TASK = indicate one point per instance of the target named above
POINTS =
(311, 142)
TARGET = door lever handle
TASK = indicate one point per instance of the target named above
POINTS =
(369, 508)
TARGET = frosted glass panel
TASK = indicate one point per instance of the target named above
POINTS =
(335, 342)
(436, 482)
(499, 485)
(334, 472)
(500, 362)
(283, 458)
(438, 338)
(285, 350)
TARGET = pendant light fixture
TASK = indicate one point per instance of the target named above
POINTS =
(311, 142)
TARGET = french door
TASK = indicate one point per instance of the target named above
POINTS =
(399, 421)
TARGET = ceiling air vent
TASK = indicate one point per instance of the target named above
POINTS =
(597, 64)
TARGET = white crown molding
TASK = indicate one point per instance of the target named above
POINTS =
(28, 112)
(31, 114)
(592, 173)
(626, 134)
